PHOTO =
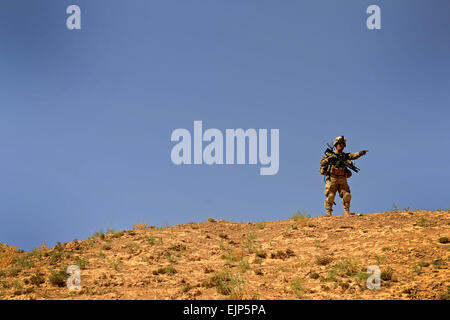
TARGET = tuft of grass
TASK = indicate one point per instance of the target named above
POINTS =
(424, 264)
(249, 242)
(170, 270)
(380, 259)
(227, 284)
(395, 208)
(116, 264)
(282, 254)
(244, 266)
(386, 275)
(314, 275)
(211, 220)
(81, 263)
(187, 287)
(56, 255)
(345, 268)
(324, 260)
(297, 287)
(261, 254)
(444, 240)
(150, 240)
(300, 218)
(362, 276)
(232, 256)
(418, 269)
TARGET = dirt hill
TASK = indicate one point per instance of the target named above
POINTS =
(299, 258)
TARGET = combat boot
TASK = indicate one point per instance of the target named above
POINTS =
(348, 213)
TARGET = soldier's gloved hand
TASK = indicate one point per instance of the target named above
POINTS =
(363, 152)
(332, 157)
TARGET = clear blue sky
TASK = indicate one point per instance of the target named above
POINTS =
(86, 116)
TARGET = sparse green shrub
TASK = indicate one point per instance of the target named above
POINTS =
(26, 261)
(261, 225)
(424, 264)
(438, 263)
(118, 234)
(421, 222)
(362, 276)
(98, 233)
(37, 279)
(14, 272)
(58, 278)
(300, 215)
(444, 240)
(226, 284)
(345, 268)
(56, 255)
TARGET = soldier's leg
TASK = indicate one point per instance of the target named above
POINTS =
(346, 196)
(330, 193)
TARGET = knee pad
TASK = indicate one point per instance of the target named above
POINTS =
(347, 197)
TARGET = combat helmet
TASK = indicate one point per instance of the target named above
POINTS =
(340, 139)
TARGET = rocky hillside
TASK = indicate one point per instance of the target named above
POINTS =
(299, 258)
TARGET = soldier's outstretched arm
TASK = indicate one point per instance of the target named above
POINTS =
(356, 155)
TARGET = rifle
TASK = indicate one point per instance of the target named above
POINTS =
(339, 160)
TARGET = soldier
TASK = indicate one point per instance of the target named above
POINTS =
(337, 175)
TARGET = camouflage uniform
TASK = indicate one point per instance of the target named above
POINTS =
(337, 182)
